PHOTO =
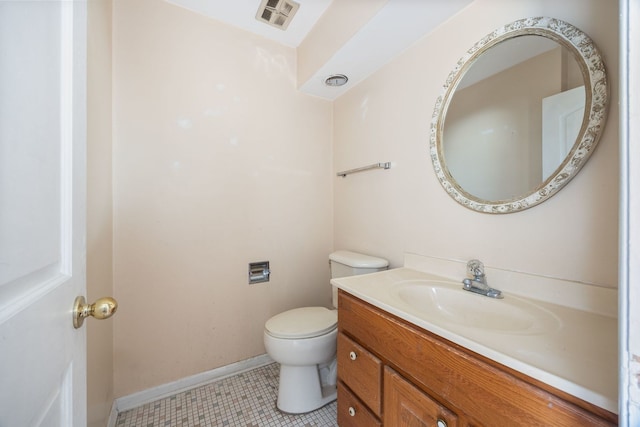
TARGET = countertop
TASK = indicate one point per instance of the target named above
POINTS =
(578, 354)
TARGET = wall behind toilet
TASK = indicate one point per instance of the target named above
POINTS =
(387, 118)
(218, 161)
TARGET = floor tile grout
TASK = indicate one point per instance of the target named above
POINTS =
(246, 399)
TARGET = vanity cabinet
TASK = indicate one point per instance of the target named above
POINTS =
(394, 373)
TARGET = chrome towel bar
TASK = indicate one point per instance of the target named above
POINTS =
(386, 165)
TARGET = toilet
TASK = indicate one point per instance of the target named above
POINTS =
(303, 342)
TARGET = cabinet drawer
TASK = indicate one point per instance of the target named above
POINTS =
(361, 371)
(406, 405)
(352, 412)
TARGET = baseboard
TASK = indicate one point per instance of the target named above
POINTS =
(146, 396)
(113, 415)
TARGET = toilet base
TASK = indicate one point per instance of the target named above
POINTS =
(300, 390)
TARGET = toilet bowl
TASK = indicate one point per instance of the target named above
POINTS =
(303, 341)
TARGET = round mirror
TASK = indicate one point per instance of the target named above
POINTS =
(519, 116)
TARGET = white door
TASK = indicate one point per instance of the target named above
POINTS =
(42, 212)
(562, 116)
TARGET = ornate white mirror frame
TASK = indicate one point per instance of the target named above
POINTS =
(595, 112)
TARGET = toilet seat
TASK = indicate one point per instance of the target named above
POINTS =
(305, 322)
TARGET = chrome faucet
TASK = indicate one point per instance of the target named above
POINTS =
(479, 282)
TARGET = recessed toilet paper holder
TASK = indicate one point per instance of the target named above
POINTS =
(259, 272)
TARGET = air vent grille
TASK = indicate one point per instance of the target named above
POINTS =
(266, 15)
(279, 21)
(287, 8)
(277, 13)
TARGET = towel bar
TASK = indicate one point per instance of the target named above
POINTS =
(386, 165)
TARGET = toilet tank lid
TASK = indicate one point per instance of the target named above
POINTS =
(354, 259)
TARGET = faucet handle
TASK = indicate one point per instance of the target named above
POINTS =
(475, 268)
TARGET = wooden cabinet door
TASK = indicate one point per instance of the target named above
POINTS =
(407, 406)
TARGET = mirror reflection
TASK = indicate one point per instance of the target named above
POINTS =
(513, 118)
(519, 115)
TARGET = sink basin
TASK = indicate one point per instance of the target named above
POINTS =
(448, 302)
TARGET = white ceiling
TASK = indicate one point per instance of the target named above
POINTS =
(397, 25)
(242, 14)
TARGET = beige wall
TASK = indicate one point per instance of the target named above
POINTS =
(387, 118)
(99, 211)
(218, 161)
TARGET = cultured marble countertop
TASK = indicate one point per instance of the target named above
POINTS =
(576, 353)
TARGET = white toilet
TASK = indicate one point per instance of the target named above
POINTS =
(303, 342)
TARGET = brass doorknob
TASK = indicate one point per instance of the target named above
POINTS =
(103, 308)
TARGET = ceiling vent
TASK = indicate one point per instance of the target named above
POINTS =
(277, 13)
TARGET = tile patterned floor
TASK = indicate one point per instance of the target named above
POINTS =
(244, 400)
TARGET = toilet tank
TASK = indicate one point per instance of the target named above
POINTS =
(347, 263)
